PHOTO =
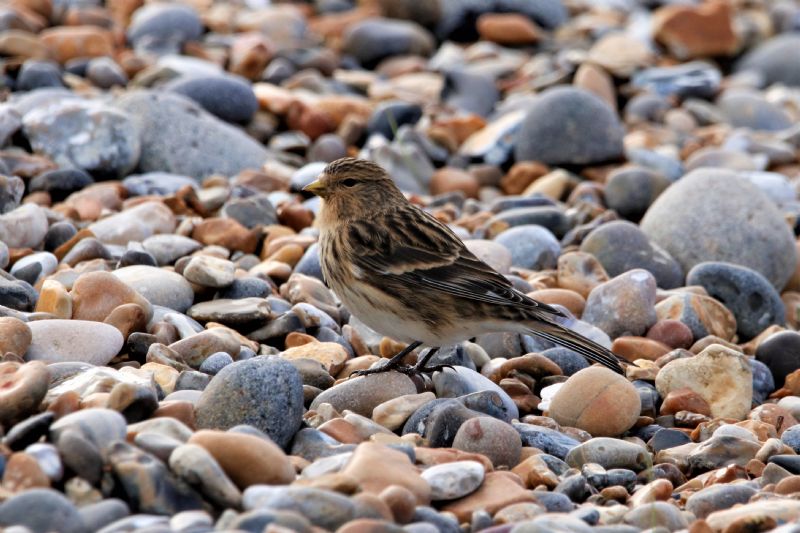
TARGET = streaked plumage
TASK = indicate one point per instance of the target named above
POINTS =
(408, 276)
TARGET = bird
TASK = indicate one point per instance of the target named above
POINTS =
(408, 276)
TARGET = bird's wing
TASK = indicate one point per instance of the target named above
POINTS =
(411, 246)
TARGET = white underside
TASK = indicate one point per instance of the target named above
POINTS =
(393, 322)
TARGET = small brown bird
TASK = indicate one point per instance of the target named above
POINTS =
(408, 276)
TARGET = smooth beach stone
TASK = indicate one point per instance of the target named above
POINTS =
(362, 394)
(718, 497)
(389, 116)
(531, 247)
(459, 381)
(23, 227)
(374, 39)
(148, 484)
(73, 340)
(101, 427)
(491, 437)
(548, 440)
(96, 294)
(134, 224)
(781, 353)
(252, 211)
(41, 510)
(449, 481)
(721, 376)
(180, 137)
(609, 453)
(621, 246)
(159, 286)
(569, 126)
(774, 60)
(100, 514)
(598, 401)
(271, 398)
(729, 220)
(631, 190)
(110, 145)
(196, 466)
(15, 336)
(168, 248)
(22, 389)
(227, 97)
(158, 183)
(323, 508)
(750, 296)
(703, 315)
(164, 26)
(746, 109)
(624, 305)
(655, 514)
(209, 271)
(36, 74)
(61, 182)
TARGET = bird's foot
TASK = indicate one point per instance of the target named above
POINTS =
(408, 370)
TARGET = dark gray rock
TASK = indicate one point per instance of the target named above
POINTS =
(630, 190)
(374, 39)
(781, 353)
(323, 508)
(718, 497)
(164, 28)
(569, 126)
(714, 215)
(747, 294)
(270, 398)
(389, 116)
(621, 246)
(36, 74)
(61, 183)
(469, 92)
(251, 211)
(226, 97)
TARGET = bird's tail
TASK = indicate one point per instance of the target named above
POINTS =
(578, 343)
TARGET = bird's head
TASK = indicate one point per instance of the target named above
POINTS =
(354, 187)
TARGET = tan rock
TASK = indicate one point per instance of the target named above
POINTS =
(393, 414)
(596, 400)
(22, 44)
(96, 294)
(499, 490)
(684, 399)
(247, 459)
(54, 299)
(597, 81)
(573, 301)
(580, 272)
(711, 315)
(721, 376)
(330, 355)
(127, 318)
(23, 472)
(521, 175)
(449, 179)
(226, 232)
(15, 336)
(377, 467)
(620, 54)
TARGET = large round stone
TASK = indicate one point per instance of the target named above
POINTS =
(264, 392)
(569, 126)
(776, 60)
(715, 215)
(597, 400)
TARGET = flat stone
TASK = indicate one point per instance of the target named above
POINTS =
(73, 340)
(449, 481)
(159, 286)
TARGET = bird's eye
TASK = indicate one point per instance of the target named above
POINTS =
(349, 182)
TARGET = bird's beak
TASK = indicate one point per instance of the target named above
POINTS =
(315, 187)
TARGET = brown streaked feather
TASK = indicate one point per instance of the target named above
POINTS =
(426, 253)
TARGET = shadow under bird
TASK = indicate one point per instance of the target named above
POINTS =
(408, 276)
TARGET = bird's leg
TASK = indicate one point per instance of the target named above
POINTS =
(391, 364)
(420, 367)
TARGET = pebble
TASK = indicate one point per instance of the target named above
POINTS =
(721, 376)
(780, 352)
(532, 247)
(750, 296)
(226, 97)
(41, 510)
(73, 340)
(363, 394)
(624, 305)
(565, 117)
(621, 246)
(491, 437)
(272, 398)
(209, 271)
(23, 227)
(598, 401)
(706, 200)
(450, 481)
(159, 286)
(609, 453)
(23, 388)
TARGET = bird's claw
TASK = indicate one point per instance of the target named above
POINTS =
(403, 369)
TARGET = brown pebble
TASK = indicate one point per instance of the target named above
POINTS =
(450, 179)
(400, 501)
(22, 389)
(54, 299)
(684, 399)
(65, 403)
(633, 348)
(369, 525)
(246, 459)
(15, 336)
(127, 318)
(96, 294)
(573, 301)
(23, 472)
(226, 232)
(373, 504)
(341, 430)
(580, 272)
(673, 333)
(179, 410)
(507, 28)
